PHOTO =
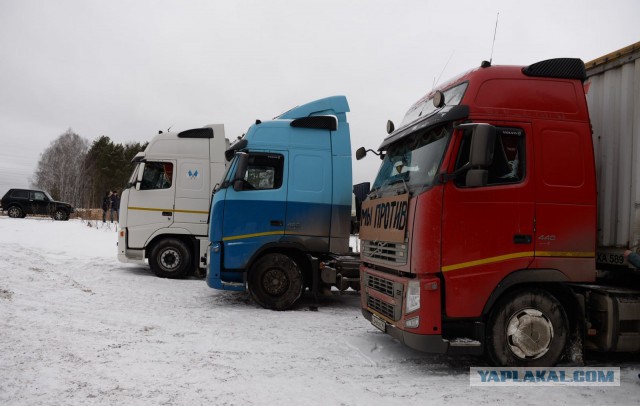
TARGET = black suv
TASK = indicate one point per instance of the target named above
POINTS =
(20, 202)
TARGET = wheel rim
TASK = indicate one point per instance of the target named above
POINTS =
(59, 215)
(529, 334)
(14, 212)
(275, 282)
(170, 259)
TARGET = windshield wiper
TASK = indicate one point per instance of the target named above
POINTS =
(389, 182)
(406, 188)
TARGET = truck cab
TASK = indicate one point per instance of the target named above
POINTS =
(164, 210)
(482, 214)
(284, 205)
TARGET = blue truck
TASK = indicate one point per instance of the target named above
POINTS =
(280, 219)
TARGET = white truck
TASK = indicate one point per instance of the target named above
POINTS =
(164, 209)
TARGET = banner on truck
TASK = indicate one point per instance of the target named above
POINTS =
(385, 219)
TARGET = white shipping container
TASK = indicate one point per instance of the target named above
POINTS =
(613, 97)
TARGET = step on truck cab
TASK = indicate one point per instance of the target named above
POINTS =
(281, 217)
(479, 234)
(164, 210)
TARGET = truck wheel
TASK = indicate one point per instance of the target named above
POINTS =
(60, 215)
(170, 258)
(275, 282)
(15, 212)
(527, 328)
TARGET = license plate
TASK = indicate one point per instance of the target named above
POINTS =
(378, 323)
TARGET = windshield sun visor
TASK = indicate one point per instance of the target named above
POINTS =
(447, 113)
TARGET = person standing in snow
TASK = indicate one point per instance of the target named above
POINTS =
(115, 204)
(106, 203)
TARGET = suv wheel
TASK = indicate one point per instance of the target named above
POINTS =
(15, 212)
(60, 215)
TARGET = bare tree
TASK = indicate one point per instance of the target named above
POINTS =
(60, 169)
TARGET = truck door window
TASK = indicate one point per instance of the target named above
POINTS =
(157, 175)
(264, 171)
(508, 157)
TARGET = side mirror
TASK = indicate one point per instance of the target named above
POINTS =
(483, 141)
(477, 177)
(241, 169)
(362, 152)
(482, 145)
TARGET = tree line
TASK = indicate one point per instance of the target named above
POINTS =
(79, 173)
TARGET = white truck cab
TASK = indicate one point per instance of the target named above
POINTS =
(164, 210)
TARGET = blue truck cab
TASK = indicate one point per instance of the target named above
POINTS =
(282, 213)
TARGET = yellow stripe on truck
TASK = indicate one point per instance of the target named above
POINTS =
(170, 210)
(239, 237)
(484, 261)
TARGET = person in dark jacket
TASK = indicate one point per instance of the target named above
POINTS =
(115, 204)
(106, 203)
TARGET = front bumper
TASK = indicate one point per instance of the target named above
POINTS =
(431, 343)
(127, 255)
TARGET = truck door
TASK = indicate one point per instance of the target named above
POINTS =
(152, 207)
(309, 198)
(192, 195)
(254, 215)
(488, 231)
(565, 199)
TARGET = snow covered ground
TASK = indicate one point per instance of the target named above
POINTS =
(78, 327)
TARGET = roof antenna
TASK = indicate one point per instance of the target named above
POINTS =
(436, 81)
(495, 30)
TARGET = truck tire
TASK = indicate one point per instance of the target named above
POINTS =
(170, 258)
(275, 282)
(15, 212)
(527, 328)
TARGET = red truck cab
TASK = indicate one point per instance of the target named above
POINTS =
(482, 214)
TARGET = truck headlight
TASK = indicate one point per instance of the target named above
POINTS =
(413, 297)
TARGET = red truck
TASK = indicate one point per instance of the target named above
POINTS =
(481, 231)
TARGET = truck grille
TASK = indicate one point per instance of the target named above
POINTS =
(380, 285)
(391, 309)
(385, 309)
(391, 252)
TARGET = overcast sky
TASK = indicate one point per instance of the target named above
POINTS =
(126, 69)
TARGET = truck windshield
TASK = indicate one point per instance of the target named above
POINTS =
(414, 160)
